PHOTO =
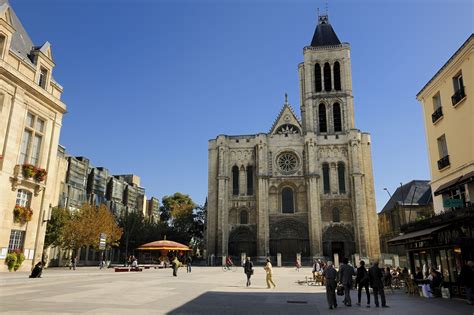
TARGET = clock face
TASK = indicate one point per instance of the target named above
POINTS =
(287, 162)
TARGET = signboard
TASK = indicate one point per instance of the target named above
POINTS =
(453, 203)
(102, 239)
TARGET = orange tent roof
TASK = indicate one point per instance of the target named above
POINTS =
(163, 244)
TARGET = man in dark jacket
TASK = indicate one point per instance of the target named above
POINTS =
(362, 281)
(345, 277)
(375, 279)
(248, 269)
(330, 276)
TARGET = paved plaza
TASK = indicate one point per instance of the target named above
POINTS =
(206, 290)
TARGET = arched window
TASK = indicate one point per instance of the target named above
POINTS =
(342, 177)
(287, 202)
(337, 76)
(327, 188)
(327, 77)
(250, 180)
(323, 125)
(336, 110)
(235, 180)
(23, 198)
(244, 217)
(336, 216)
(317, 78)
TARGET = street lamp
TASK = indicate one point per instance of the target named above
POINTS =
(388, 193)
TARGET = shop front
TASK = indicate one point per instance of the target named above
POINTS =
(444, 242)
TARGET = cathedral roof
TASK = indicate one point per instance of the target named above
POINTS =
(286, 119)
(324, 34)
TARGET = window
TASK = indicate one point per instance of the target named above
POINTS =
(30, 148)
(250, 180)
(17, 239)
(341, 177)
(42, 78)
(244, 217)
(2, 45)
(23, 198)
(317, 78)
(287, 203)
(337, 76)
(458, 89)
(327, 189)
(436, 101)
(458, 83)
(323, 126)
(327, 77)
(235, 180)
(336, 217)
(442, 147)
(336, 110)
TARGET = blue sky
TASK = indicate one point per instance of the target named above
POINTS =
(148, 83)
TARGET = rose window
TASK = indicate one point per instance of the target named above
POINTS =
(287, 162)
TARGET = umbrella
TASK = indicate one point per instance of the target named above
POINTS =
(164, 245)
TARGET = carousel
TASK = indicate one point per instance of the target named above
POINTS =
(160, 252)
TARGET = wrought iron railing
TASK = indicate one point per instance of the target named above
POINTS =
(458, 96)
(438, 113)
(443, 162)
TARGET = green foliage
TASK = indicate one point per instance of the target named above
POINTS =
(10, 260)
(14, 260)
(55, 227)
(175, 206)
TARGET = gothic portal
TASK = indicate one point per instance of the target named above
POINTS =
(306, 186)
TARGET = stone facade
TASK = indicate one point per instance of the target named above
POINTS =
(306, 186)
(30, 122)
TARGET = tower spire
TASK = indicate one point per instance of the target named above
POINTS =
(286, 98)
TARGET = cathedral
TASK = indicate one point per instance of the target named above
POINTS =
(306, 187)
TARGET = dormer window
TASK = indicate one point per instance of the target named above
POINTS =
(42, 78)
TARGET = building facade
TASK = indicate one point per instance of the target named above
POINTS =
(448, 109)
(31, 114)
(409, 203)
(306, 186)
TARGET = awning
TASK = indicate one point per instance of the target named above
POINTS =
(417, 233)
(164, 245)
(469, 177)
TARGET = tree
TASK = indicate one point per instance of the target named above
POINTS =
(55, 227)
(86, 225)
(131, 224)
(175, 206)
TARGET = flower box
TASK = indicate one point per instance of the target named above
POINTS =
(22, 214)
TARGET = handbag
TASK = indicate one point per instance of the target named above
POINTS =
(340, 289)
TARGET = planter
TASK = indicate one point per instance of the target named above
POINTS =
(28, 170)
(22, 214)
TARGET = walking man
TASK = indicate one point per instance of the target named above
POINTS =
(268, 268)
(330, 276)
(189, 261)
(248, 270)
(362, 281)
(345, 277)
(376, 282)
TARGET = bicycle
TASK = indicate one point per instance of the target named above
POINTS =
(229, 268)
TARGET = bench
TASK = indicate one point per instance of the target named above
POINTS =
(127, 269)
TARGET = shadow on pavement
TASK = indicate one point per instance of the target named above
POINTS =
(251, 303)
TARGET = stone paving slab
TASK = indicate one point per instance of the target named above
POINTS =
(207, 290)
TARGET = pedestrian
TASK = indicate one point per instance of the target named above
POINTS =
(330, 279)
(102, 261)
(346, 272)
(248, 270)
(316, 268)
(129, 261)
(376, 283)
(175, 264)
(362, 281)
(189, 260)
(37, 270)
(73, 263)
(268, 268)
(297, 264)
(466, 278)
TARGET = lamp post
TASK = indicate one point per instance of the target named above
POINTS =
(388, 193)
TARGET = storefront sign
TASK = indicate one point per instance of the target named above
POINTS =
(453, 203)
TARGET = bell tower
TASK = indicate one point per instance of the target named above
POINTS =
(326, 83)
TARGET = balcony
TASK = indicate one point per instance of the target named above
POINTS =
(438, 113)
(458, 96)
(20, 177)
(443, 162)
